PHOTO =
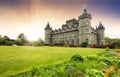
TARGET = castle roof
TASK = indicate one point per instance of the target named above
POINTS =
(71, 20)
(47, 26)
(101, 27)
(85, 14)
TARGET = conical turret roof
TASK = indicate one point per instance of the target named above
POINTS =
(85, 14)
(47, 26)
(101, 27)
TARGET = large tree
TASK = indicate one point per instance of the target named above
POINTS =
(6, 40)
(108, 40)
(39, 42)
(22, 38)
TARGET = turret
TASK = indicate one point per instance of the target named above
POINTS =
(85, 28)
(100, 34)
(48, 37)
(85, 15)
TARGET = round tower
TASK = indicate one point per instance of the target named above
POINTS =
(48, 37)
(101, 34)
(85, 28)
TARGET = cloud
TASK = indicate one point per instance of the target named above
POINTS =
(13, 2)
(15, 14)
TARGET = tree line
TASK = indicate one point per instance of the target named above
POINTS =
(20, 41)
(23, 41)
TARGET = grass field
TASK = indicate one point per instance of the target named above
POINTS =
(16, 59)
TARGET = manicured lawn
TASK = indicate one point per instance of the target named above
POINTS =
(16, 59)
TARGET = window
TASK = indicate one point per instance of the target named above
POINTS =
(86, 39)
(87, 22)
(72, 41)
(86, 30)
(67, 42)
(77, 41)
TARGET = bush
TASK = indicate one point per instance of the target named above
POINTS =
(94, 73)
(112, 46)
(77, 57)
(84, 44)
(104, 46)
(107, 49)
(92, 57)
(98, 46)
(117, 50)
(92, 46)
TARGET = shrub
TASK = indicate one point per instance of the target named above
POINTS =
(79, 45)
(72, 45)
(92, 46)
(112, 46)
(77, 57)
(84, 44)
(117, 50)
(98, 46)
(35, 71)
(92, 57)
(107, 49)
(109, 58)
(94, 73)
(104, 46)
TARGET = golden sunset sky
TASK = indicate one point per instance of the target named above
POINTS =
(31, 16)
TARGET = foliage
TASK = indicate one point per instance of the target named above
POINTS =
(92, 57)
(18, 42)
(6, 41)
(115, 73)
(94, 73)
(77, 57)
(108, 40)
(22, 38)
(39, 42)
(111, 40)
(90, 67)
(17, 59)
(84, 44)
(117, 50)
(109, 58)
(112, 46)
(107, 49)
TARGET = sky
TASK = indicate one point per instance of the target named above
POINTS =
(31, 16)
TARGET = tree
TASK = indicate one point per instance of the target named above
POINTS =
(6, 40)
(108, 40)
(84, 44)
(18, 42)
(2, 41)
(22, 39)
(39, 42)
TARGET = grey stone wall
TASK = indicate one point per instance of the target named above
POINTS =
(68, 38)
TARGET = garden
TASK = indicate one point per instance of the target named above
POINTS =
(105, 64)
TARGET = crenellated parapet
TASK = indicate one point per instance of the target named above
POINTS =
(70, 25)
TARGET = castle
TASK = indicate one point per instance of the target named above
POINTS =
(75, 32)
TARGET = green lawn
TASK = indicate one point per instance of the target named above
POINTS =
(16, 59)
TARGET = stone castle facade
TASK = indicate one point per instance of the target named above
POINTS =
(75, 32)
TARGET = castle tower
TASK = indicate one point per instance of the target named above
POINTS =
(100, 34)
(85, 28)
(48, 31)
